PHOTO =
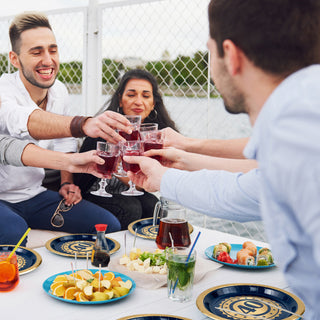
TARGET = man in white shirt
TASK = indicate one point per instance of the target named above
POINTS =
(265, 61)
(23, 201)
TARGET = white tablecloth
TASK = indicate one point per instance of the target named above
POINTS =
(29, 301)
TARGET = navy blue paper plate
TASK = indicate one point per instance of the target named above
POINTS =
(249, 301)
(235, 247)
(81, 244)
(28, 259)
(146, 229)
(153, 317)
(48, 282)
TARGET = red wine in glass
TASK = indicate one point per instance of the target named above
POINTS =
(131, 166)
(179, 230)
(134, 135)
(148, 145)
(110, 162)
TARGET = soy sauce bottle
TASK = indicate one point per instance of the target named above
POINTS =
(100, 251)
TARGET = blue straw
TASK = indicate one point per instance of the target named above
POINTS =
(188, 258)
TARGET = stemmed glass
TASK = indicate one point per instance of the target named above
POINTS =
(110, 153)
(135, 122)
(131, 148)
(147, 127)
(153, 140)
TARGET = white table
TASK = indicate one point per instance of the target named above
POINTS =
(29, 301)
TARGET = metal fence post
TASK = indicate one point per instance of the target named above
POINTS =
(92, 73)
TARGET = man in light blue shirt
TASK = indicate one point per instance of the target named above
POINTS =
(265, 61)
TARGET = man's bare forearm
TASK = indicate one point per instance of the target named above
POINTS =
(47, 125)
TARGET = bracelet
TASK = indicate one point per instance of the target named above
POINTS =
(63, 184)
(76, 125)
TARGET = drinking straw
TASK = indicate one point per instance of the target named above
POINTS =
(188, 258)
(18, 244)
(172, 244)
(125, 244)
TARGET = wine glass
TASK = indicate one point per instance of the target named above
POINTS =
(147, 127)
(135, 122)
(131, 148)
(110, 154)
(153, 140)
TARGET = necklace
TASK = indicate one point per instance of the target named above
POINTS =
(42, 101)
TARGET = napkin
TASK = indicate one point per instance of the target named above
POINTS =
(155, 280)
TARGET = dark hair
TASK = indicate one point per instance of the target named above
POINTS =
(278, 36)
(23, 22)
(161, 116)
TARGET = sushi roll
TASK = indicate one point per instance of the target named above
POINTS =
(244, 257)
(227, 245)
(265, 257)
(251, 247)
(217, 249)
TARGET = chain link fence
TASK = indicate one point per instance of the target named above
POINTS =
(167, 38)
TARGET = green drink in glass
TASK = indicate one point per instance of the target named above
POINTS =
(180, 273)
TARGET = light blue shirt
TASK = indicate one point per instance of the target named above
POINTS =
(217, 193)
(286, 142)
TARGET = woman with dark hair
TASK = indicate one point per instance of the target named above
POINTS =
(137, 94)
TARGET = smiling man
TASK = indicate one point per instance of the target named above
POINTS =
(34, 87)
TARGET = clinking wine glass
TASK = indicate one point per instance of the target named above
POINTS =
(145, 128)
(153, 140)
(131, 148)
(135, 122)
(110, 153)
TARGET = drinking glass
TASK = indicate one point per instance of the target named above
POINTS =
(147, 127)
(180, 273)
(131, 148)
(110, 154)
(9, 272)
(135, 122)
(153, 140)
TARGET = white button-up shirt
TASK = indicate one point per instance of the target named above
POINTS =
(286, 142)
(22, 183)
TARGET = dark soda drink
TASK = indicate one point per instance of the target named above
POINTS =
(179, 230)
(101, 258)
(134, 136)
(131, 166)
(148, 145)
(110, 162)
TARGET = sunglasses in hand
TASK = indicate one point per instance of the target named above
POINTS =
(57, 219)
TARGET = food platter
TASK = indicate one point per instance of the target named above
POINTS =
(249, 301)
(81, 244)
(146, 229)
(47, 283)
(153, 317)
(28, 259)
(235, 247)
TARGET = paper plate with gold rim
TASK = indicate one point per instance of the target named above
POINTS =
(249, 301)
(153, 317)
(28, 259)
(80, 243)
(146, 229)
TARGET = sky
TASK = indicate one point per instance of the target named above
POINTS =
(145, 31)
(13, 7)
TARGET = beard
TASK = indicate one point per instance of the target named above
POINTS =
(233, 99)
(29, 76)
